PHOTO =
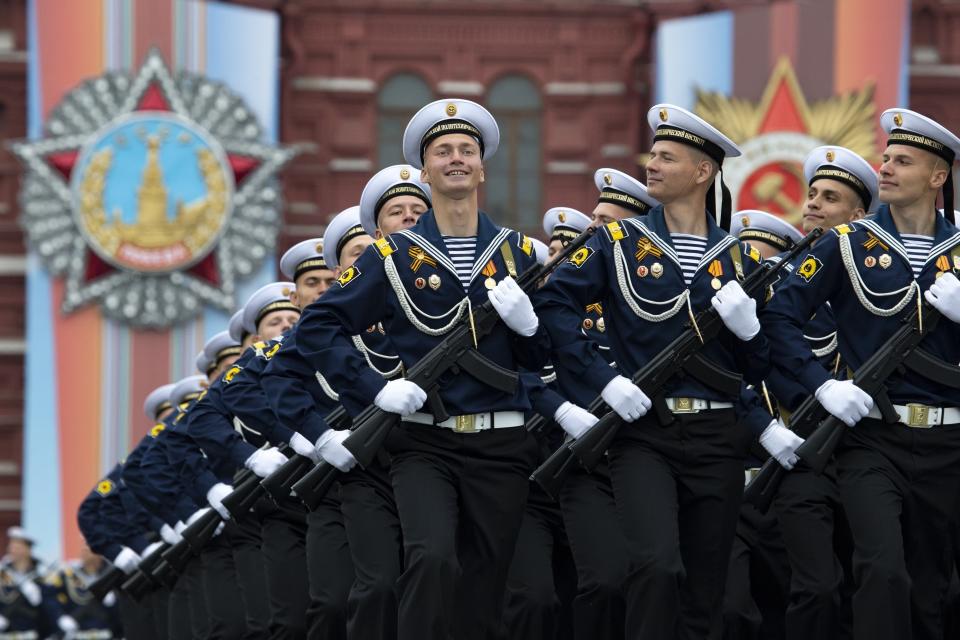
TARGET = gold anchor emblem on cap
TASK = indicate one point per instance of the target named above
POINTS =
(830, 156)
(451, 109)
(562, 217)
(319, 247)
(607, 179)
(897, 119)
(663, 115)
(404, 174)
(286, 291)
(745, 221)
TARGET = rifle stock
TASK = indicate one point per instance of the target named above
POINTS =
(137, 585)
(311, 489)
(106, 583)
(278, 484)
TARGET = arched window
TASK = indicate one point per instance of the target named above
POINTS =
(513, 175)
(400, 97)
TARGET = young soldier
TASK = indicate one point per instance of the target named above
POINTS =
(677, 485)
(460, 484)
(898, 481)
(842, 188)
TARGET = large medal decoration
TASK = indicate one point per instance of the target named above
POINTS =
(776, 134)
(151, 193)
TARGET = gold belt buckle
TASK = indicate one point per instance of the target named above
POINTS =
(465, 424)
(919, 416)
(683, 405)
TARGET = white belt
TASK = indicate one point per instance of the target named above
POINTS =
(920, 416)
(695, 405)
(472, 422)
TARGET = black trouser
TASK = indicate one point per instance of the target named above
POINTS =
(158, 601)
(373, 532)
(758, 579)
(283, 531)
(817, 539)
(330, 570)
(187, 608)
(460, 497)
(222, 590)
(244, 536)
(599, 553)
(542, 579)
(678, 491)
(899, 488)
(137, 618)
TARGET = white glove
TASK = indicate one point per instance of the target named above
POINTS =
(737, 310)
(127, 560)
(4, 623)
(844, 400)
(330, 447)
(944, 294)
(400, 396)
(196, 515)
(31, 592)
(215, 497)
(263, 462)
(575, 420)
(150, 548)
(514, 307)
(67, 624)
(626, 399)
(110, 599)
(180, 525)
(303, 447)
(169, 534)
(781, 443)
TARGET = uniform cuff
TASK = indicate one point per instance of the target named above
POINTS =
(137, 543)
(313, 426)
(111, 550)
(240, 452)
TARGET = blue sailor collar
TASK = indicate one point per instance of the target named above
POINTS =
(654, 226)
(882, 225)
(426, 235)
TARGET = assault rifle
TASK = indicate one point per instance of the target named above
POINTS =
(899, 353)
(457, 351)
(681, 355)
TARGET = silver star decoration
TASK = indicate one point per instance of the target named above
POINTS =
(152, 300)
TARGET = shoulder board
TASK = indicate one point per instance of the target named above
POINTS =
(842, 229)
(525, 244)
(385, 246)
(259, 345)
(157, 428)
(615, 231)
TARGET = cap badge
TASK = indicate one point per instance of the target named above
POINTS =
(898, 119)
(830, 156)
(286, 291)
(404, 174)
(607, 179)
(663, 115)
(451, 109)
(562, 217)
(745, 221)
(319, 247)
